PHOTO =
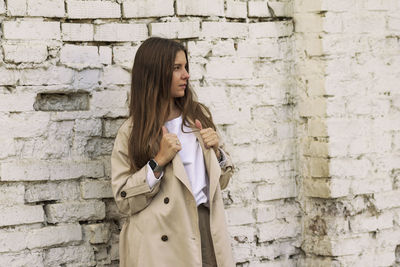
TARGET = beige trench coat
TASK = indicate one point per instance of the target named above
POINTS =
(162, 225)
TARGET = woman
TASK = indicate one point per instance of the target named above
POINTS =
(168, 168)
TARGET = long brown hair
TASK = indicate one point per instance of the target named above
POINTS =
(150, 99)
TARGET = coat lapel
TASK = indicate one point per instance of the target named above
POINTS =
(180, 173)
(212, 166)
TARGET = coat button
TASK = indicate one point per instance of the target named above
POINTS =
(164, 238)
(166, 200)
(123, 194)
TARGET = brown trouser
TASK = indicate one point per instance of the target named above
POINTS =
(207, 248)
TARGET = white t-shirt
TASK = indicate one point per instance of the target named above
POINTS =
(192, 159)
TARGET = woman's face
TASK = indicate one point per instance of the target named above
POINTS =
(180, 76)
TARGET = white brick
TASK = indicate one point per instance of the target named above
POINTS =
(46, 8)
(11, 194)
(46, 170)
(278, 229)
(242, 252)
(200, 7)
(371, 184)
(345, 246)
(79, 57)
(71, 170)
(52, 191)
(77, 32)
(96, 189)
(24, 125)
(282, 150)
(43, 237)
(2, 7)
(243, 233)
(243, 153)
(283, 188)
(337, 6)
(12, 241)
(50, 76)
(367, 223)
(86, 79)
(115, 75)
(176, 30)
(366, 23)
(18, 214)
(8, 148)
(120, 32)
(309, 23)
(149, 8)
(224, 30)
(217, 100)
(8, 77)
(17, 102)
(282, 9)
(97, 233)
(359, 168)
(196, 71)
(124, 56)
(224, 48)
(75, 211)
(265, 213)
(268, 48)
(105, 55)
(88, 127)
(388, 238)
(22, 259)
(199, 48)
(381, 5)
(232, 68)
(270, 29)
(53, 235)
(92, 9)
(258, 9)
(387, 200)
(34, 30)
(42, 8)
(110, 127)
(240, 216)
(393, 23)
(372, 257)
(332, 23)
(16, 7)
(236, 9)
(28, 52)
(82, 255)
(246, 194)
(274, 250)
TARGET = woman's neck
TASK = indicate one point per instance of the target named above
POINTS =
(174, 111)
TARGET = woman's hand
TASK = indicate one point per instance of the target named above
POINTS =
(210, 138)
(169, 146)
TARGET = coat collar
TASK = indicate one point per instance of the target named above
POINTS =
(210, 160)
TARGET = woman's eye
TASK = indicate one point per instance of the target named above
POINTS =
(176, 68)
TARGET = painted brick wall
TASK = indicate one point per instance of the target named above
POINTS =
(64, 82)
(305, 93)
(348, 76)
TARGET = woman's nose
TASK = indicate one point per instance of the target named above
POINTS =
(186, 74)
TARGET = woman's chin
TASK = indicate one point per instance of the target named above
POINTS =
(179, 95)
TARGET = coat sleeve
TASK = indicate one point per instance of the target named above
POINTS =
(130, 190)
(228, 168)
